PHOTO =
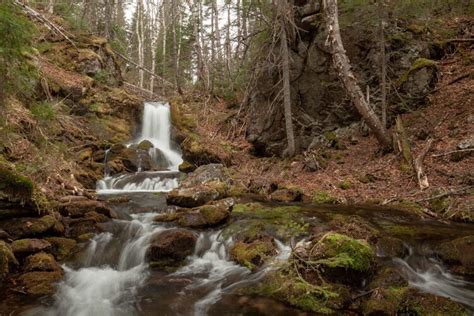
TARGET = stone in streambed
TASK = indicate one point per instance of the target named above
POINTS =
(207, 215)
(197, 195)
(30, 227)
(61, 247)
(7, 259)
(459, 254)
(253, 254)
(38, 283)
(78, 208)
(287, 195)
(41, 261)
(171, 247)
(29, 246)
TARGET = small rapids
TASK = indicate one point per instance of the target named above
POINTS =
(428, 275)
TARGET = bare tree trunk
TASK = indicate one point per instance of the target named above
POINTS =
(383, 70)
(343, 67)
(139, 31)
(175, 47)
(286, 79)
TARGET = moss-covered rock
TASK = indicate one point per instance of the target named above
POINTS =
(39, 283)
(196, 196)
(207, 215)
(458, 253)
(254, 220)
(61, 247)
(288, 288)
(290, 194)
(31, 227)
(14, 187)
(186, 167)
(354, 226)
(321, 197)
(41, 261)
(171, 247)
(145, 145)
(28, 246)
(253, 254)
(391, 247)
(7, 259)
(342, 258)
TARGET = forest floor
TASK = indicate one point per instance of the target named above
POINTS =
(359, 172)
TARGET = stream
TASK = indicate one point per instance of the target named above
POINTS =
(110, 275)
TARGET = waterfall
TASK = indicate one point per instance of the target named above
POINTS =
(156, 128)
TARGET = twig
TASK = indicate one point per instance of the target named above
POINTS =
(418, 166)
(458, 78)
(453, 152)
(453, 192)
(460, 40)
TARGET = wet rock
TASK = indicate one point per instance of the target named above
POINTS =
(78, 208)
(207, 215)
(287, 195)
(39, 283)
(4, 235)
(28, 246)
(7, 259)
(171, 247)
(80, 226)
(96, 217)
(145, 145)
(186, 167)
(391, 247)
(61, 247)
(41, 261)
(197, 195)
(458, 253)
(253, 254)
(132, 158)
(211, 173)
(343, 259)
(30, 227)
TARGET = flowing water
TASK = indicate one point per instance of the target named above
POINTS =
(110, 276)
(156, 128)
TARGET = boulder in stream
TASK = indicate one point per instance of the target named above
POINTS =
(61, 247)
(29, 246)
(41, 261)
(38, 283)
(459, 254)
(171, 247)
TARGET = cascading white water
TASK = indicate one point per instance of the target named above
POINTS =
(157, 130)
(107, 289)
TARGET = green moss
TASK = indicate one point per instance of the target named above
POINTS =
(252, 220)
(251, 255)
(290, 289)
(62, 247)
(409, 206)
(439, 205)
(43, 111)
(417, 65)
(345, 185)
(14, 186)
(321, 197)
(334, 250)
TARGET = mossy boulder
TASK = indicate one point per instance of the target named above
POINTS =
(459, 254)
(27, 246)
(61, 247)
(207, 215)
(343, 259)
(41, 261)
(38, 283)
(196, 196)
(287, 287)
(420, 78)
(253, 254)
(171, 247)
(145, 145)
(252, 221)
(31, 227)
(7, 259)
(13, 186)
(391, 247)
(78, 208)
(291, 194)
(186, 167)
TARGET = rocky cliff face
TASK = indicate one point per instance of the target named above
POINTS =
(319, 102)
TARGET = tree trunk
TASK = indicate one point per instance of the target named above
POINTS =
(343, 68)
(286, 80)
(383, 64)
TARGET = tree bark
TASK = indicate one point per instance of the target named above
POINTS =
(342, 65)
(286, 80)
(383, 63)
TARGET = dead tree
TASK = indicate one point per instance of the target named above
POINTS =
(343, 67)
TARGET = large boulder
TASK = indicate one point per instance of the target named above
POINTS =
(31, 227)
(38, 283)
(207, 183)
(208, 215)
(41, 261)
(61, 247)
(343, 259)
(459, 254)
(7, 259)
(78, 208)
(171, 247)
(24, 247)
